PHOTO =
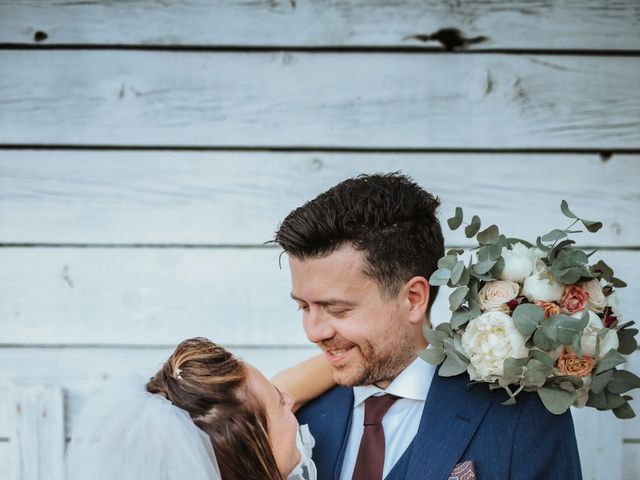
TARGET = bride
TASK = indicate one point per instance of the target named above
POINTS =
(205, 415)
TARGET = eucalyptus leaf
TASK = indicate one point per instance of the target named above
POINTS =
(489, 235)
(527, 318)
(555, 400)
(513, 369)
(554, 251)
(604, 269)
(599, 382)
(455, 252)
(611, 359)
(512, 241)
(597, 400)
(457, 272)
(541, 246)
(617, 283)
(554, 235)
(455, 221)
(434, 337)
(496, 271)
(471, 229)
(460, 317)
(546, 337)
(440, 277)
(541, 357)
(452, 367)
(564, 207)
(448, 261)
(591, 226)
(627, 342)
(536, 373)
(570, 328)
(483, 267)
(622, 381)
(457, 298)
(445, 328)
(434, 356)
(624, 411)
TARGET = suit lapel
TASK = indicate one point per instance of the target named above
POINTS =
(451, 416)
(343, 432)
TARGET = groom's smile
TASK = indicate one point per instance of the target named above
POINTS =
(365, 338)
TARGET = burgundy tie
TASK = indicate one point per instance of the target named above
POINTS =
(370, 461)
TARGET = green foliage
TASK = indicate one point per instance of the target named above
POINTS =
(527, 318)
(611, 359)
(567, 265)
(557, 401)
(488, 236)
(457, 298)
(471, 229)
(455, 221)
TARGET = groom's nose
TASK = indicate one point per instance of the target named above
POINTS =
(317, 325)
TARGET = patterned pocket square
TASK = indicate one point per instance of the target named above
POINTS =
(463, 471)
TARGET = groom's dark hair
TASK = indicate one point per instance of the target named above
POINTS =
(387, 216)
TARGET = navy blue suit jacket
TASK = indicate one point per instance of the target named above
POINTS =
(459, 422)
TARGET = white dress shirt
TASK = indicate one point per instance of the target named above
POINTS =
(401, 421)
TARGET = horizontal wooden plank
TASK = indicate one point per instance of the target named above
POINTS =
(289, 99)
(239, 198)
(84, 370)
(631, 461)
(574, 24)
(631, 428)
(6, 456)
(160, 296)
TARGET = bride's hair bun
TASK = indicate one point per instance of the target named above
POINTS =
(210, 384)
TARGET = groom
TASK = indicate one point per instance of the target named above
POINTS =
(360, 255)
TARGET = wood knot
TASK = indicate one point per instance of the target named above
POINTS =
(605, 156)
(40, 36)
(450, 38)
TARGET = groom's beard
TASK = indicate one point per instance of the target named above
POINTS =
(372, 364)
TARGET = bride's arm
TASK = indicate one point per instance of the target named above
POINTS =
(305, 380)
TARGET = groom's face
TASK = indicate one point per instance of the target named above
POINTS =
(366, 338)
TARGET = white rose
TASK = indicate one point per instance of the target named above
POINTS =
(597, 301)
(519, 262)
(589, 338)
(614, 303)
(488, 340)
(541, 286)
(494, 295)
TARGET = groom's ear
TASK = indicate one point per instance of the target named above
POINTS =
(417, 296)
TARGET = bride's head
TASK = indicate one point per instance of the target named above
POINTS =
(250, 422)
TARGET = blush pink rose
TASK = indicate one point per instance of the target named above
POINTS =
(574, 298)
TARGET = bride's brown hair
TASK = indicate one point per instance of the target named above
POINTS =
(209, 383)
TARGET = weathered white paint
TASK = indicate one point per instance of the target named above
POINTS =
(630, 461)
(319, 99)
(239, 198)
(159, 296)
(38, 431)
(601, 458)
(554, 24)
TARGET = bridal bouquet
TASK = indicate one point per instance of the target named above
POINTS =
(535, 318)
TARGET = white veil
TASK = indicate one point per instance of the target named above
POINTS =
(126, 433)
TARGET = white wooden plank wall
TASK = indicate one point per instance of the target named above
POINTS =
(149, 149)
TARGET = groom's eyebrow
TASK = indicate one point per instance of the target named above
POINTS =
(327, 302)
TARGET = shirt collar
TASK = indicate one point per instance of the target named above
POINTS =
(413, 383)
